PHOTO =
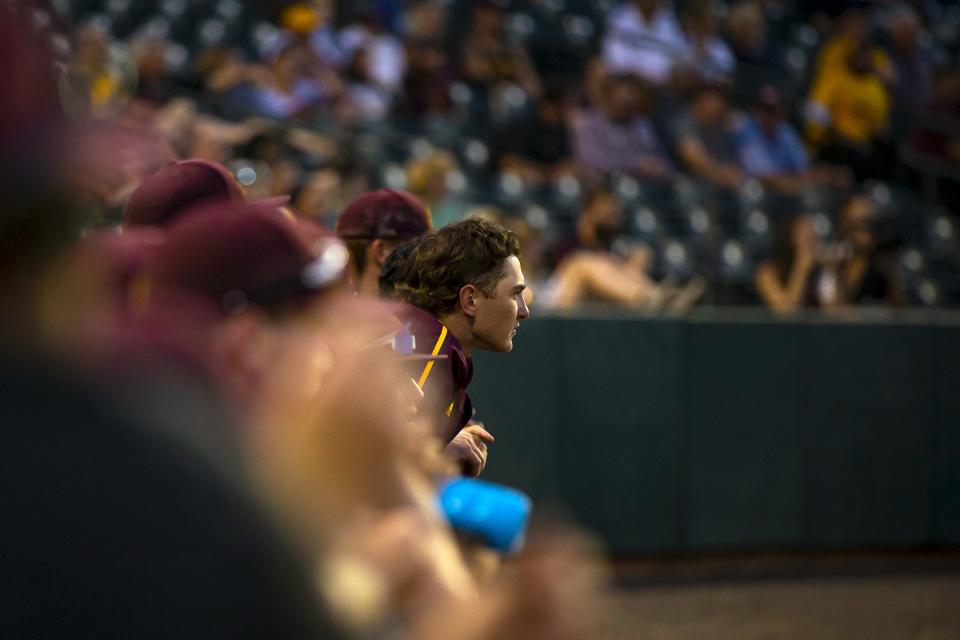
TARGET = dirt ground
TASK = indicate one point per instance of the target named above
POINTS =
(875, 605)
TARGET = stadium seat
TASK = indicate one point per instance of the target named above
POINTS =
(676, 259)
(510, 190)
(644, 224)
(628, 189)
(699, 224)
(942, 238)
(735, 263)
(566, 194)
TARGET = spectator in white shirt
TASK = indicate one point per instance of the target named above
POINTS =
(618, 136)
(386, 57)
(707, 56)
(644, 38)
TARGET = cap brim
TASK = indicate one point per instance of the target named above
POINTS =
(272, 203)
(273, 206)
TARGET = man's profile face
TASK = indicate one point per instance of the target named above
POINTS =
(498, 316)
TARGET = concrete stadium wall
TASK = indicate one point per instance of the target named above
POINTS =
(733, 430)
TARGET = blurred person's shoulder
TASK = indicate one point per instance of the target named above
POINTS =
(432, 337)
(422, 323)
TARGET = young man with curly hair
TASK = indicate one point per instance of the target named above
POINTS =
(465, 291)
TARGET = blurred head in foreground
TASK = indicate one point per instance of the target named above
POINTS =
(235, 274)
(181, 187)
(260, 302)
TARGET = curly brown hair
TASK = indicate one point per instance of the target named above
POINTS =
(445, 260)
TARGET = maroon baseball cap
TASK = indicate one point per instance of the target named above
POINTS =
(180, 187)
(233, 255)
(384, 214)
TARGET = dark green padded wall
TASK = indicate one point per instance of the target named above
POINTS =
(717, 433)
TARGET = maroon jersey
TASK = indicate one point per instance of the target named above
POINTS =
(443, 382)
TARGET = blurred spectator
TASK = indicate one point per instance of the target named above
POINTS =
(426, 21)
(600, 223)
(911, 59)
(587, 269)
(938, 130)
(794, 276)
(591, 91)
(271, 166)
(759, 58)
(537, 146)
(300, 19)
(324, 40)
(849, 115)
(772, 151)
(366, 98)
(426, 87)
(290, 87)
(867, 269)
(617, 134)
(644, 38)
(320, 197)
(428, 178)
(852, 34)
(101, 77)
(155, 82)
(430, 71)
(707, 57)
(386, 59)
(220, 69)
(489, 58)
(604, 277)
(707, 138)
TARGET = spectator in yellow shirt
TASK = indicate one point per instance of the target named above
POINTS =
(848, 115)
(852, 30)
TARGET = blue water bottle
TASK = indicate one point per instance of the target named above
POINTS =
(492, 513)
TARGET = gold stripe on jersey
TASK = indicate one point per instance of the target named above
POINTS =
(429, 366)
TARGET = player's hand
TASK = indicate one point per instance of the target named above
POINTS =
(469, 449)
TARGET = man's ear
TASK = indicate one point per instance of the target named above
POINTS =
(468, 300)
(378, 252)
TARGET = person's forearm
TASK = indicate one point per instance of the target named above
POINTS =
(797, 286)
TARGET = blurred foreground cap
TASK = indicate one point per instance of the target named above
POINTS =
(234, 256)
(163, 197)
(384, 214)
